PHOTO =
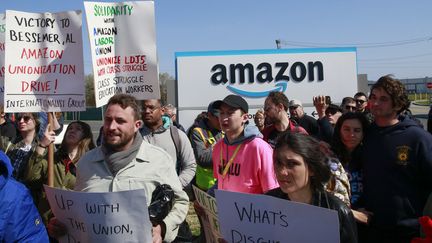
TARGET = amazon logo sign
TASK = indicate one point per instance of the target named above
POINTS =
(280, 73)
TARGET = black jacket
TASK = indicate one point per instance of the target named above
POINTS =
(347, 224)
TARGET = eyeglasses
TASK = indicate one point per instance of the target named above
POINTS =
(351, 108)
(360, 101)
(151, 108)
(26, 118)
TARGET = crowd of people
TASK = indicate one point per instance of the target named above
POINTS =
(365, 158)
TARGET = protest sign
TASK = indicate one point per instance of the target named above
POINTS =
(209, 220)
(261, 218)
(44, 62)
(101, 217)
(123, 46)
(2, 55)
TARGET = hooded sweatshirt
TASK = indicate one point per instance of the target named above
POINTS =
(251, 169)
(185, 163)
(19, 218)
(397, 175)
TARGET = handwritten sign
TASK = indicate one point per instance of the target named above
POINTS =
(44, 62)
(261, 218)
(210, 219)
(2, 55)
(123, 45)
(101, 217)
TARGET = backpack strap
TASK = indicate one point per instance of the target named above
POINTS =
(177, 144)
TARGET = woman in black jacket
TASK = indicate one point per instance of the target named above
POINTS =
(301, 170)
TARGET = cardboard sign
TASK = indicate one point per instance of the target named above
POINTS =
(101, 217)
(253, 74)
(210, 221)
(123, 46)
(261, 218)
(44, 62)
(2, 55)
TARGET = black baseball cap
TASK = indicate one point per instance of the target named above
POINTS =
(211, 109)
(234, 101)
(332, 108)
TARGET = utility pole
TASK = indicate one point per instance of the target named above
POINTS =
(278, 44)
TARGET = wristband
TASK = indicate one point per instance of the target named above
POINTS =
(40, 145)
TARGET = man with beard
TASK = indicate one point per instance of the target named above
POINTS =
(397, 166)
(276, 110)
(126, 162)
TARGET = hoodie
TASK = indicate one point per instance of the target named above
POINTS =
(19, 218)
(397, 175)
(185, 162)
(203, 137)
(251, 170)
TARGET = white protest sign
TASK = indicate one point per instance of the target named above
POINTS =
(261, 218)
(44, 62)
(209, 221)
(2, 55)
(101, 217)
(252, 74)
(123, 46)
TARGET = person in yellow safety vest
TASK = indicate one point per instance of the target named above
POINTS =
(203, 136)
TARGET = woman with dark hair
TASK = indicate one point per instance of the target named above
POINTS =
(347, 144)
(78, 139)
(21, 148)
(301, 170)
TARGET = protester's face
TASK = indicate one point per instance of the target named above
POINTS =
(170, 114)
(381, 104)
(296, 112)
(152, 112)
(349, 107)
(351, 133)
(361, 102)
(26, 122)
(333, 116)
(74, 134)
(291, 171)
(271, 110)
(119, 127)
(214, 121)
(231, 119)
(259, 120)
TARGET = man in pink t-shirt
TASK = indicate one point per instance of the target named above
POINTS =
(242, 161)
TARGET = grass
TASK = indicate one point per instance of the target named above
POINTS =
(193, 221)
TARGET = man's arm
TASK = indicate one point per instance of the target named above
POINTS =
(187, 160)
(203, 154)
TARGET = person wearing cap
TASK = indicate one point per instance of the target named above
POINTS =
(328, 114)
(276, 110)
(307, 122)
(243, 162)
(203, 137)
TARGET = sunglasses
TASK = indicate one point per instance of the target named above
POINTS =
(360, 101)
(26, 118)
